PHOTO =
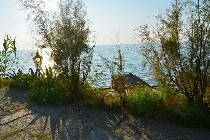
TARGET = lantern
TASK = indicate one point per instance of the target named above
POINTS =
(38, 60)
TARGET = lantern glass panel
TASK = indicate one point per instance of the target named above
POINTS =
(38, 60)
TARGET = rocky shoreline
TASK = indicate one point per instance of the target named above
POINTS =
(79, 122)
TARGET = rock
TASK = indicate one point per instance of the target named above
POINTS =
(129, 80)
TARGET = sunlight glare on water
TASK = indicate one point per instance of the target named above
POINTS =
(47, 60)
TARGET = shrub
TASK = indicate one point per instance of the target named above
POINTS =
(190, 114)
(49, 92)
(112, 102)
(175, 101)
(91, 96)
(23, 82)
(177, 108)
(144, 101)
(100, 98)
(86, 94)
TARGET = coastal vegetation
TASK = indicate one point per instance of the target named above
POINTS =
(116, 67)
(178, 52)
(178, 49)
(66, 32)
(7, 57)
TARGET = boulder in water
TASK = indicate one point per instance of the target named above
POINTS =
(128, 80)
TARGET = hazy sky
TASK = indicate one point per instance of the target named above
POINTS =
(109, 18)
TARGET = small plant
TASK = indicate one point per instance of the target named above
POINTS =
(14, 75)
(190, 114)
(49, 89)
(116, 67)
(144, 101)
(7, 57)
(49, 74)
(35, 74)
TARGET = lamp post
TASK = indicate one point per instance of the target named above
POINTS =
(38, 61)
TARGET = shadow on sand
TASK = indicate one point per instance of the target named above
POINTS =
(80, 122)
(64, 122)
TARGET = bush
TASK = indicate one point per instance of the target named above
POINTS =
(144, 101)
(100, 98)
(49, 92)
(112, 102)
(23, 82)
(190, 114)
(86, 94)
(163, 104)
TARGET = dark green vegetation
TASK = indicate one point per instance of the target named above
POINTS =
(181, 68)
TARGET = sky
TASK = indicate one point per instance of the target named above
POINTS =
(112, 21)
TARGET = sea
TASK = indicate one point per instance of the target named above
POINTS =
(133, 61)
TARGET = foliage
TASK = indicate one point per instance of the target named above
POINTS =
(13, 75)
(7, 56)
(35, 74)
(116, 67)
(49, 73)
(164, 106)
(190, 114)
(115, 64)
(144, 101)
(100, 98)
(23, 82)
(66, 33)
(179, 48)
(96, 79)
(49, 91)
(111, 102)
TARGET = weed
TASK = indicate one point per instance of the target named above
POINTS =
(143, 101)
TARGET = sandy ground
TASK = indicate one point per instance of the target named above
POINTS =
(74, 122)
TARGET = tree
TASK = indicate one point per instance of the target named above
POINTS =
(66, 32)
(178, 49)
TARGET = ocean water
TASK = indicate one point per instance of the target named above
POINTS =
(131, 55)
